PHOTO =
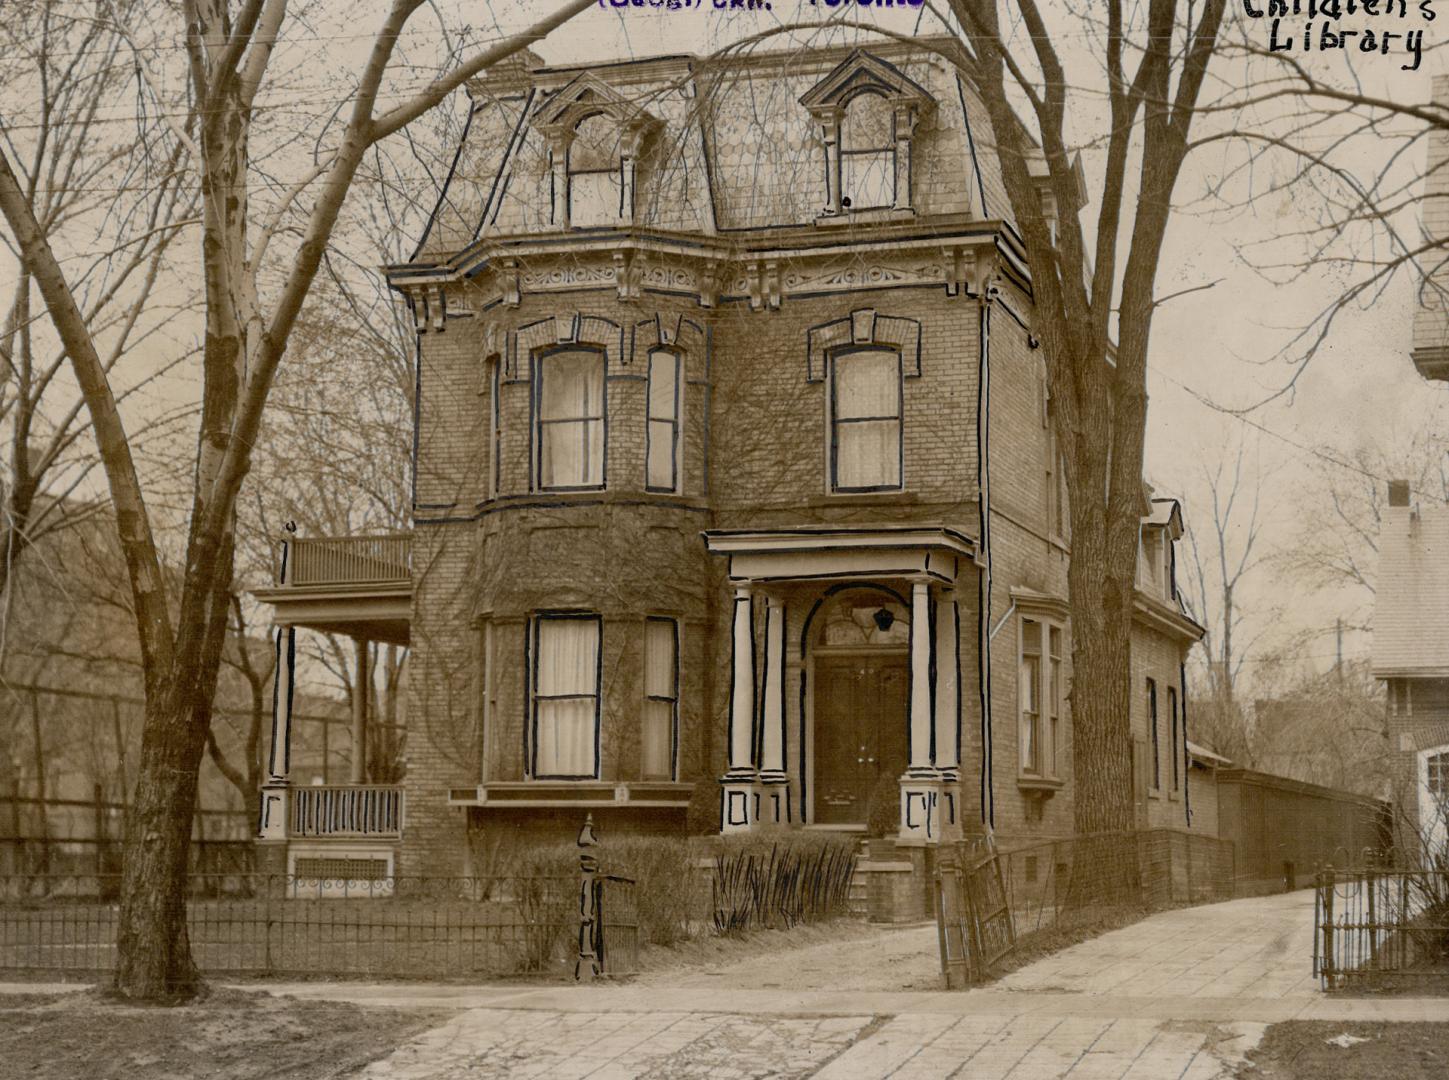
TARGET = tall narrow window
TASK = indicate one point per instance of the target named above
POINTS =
(1172, 744)
(865, 428)
(488, 703)
(1052, 738)
(1057, 491)
(569, 385)
(661, 698)
(662, 452)
(867, 154)
(495, 427)
(1031, 671)
(595, 176)
(566, 696)
(1156, 736)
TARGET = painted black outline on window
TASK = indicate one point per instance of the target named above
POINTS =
(532, 653)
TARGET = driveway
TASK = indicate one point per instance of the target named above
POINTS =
(1182, 994)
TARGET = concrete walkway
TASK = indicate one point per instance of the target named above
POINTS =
(1183, 994)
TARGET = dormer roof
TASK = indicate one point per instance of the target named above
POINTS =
(587, 95)
(863, 73)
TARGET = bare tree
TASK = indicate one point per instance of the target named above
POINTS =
(1097, 378)
(229, 50)
(116, 214)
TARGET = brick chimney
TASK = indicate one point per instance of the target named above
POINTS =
(1398, 493)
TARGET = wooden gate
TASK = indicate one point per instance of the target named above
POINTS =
(973, 915)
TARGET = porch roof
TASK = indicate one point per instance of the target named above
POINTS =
(806, 552)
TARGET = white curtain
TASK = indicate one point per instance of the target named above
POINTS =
(571, 419)
(567, 697)
(1030, 695)
(867, 420)
(660, 696)
(663, 419)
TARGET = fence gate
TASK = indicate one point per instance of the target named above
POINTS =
(616, 925)
(973, 915)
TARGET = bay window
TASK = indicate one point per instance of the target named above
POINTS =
(569, 404)
(565, 696)
(865, 420)
(1040, 694)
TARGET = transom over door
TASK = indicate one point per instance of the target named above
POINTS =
(860, 733)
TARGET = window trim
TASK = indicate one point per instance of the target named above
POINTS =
(676, 424)
(674, 701)
(1049, 715)
(531, 649)
(833, 485)
(536, 426)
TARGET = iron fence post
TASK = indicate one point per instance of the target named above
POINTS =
(587, 968)
(1327, 892)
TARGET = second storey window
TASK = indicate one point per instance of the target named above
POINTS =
(865, 421)
(565, 706)
(1156, 737)
(1173, 746)
(569, 388)
(663, 432)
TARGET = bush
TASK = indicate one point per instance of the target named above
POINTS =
(781, 878)
(667, 896)
(545, 886)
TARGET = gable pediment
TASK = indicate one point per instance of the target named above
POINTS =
(588, 95)
(859, 73)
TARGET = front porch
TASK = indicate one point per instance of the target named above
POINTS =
(360, 587)
(858, 704)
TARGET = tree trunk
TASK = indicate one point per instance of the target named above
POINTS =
(153, 950)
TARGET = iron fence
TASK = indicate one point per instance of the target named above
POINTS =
(1374, 923)
(284, 925)
(987, 899)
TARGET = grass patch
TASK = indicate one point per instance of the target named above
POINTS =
(1300, 1050)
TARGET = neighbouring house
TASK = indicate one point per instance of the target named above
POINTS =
(735, 485)
(1411, 656)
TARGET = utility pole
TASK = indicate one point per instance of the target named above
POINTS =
(1338, 633)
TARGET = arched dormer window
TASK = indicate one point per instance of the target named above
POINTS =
(867, 154)
(595, 178)
(867, 111)
(594, 137)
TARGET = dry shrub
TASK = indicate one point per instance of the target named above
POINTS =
(780, 879)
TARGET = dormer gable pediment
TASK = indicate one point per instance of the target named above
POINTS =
(588, 95)
(860, 73)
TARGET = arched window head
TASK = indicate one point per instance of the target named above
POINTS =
(867, 153)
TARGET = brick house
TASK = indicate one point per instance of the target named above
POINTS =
(733, 468)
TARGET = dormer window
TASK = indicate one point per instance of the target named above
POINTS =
(595, 180)
(867, 154)
(867, 111)
(594, 137)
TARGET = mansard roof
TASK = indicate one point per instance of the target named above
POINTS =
(733, 148)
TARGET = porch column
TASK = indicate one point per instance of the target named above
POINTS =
(774, 789)
(738, 811)
(921, 786)
(362, 679)
(272, 824)
(948, 708)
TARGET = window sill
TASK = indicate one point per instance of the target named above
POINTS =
(592, 496)
(875, 215)
(1039, 787)
(535, 794)
(864, 498)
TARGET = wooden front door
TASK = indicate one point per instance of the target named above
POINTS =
(860, 733)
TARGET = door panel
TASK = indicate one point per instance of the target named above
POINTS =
(860, 731)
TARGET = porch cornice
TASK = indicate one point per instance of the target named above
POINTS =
(841, 552)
